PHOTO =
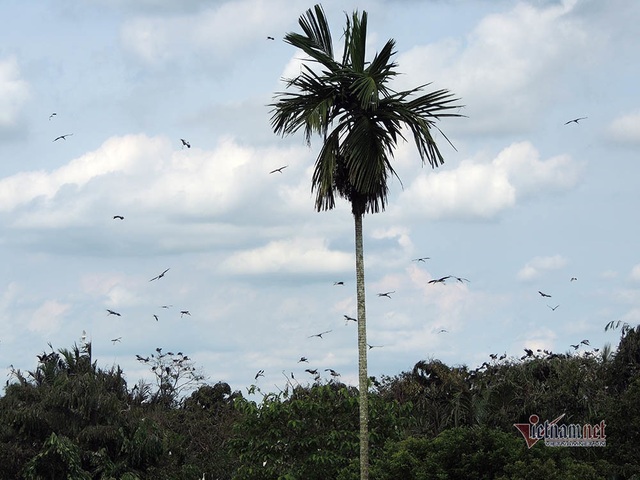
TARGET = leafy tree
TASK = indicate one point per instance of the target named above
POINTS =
(351, 104)
(70, 418)
(174, 374)
(310, 433)
(479, 453)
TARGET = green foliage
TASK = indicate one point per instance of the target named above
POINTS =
(70, 419)
(311, 434)
(59, 458)
(476, 454)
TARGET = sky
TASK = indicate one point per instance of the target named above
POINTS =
(524, 202)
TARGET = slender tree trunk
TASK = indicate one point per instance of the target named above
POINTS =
(363, 377)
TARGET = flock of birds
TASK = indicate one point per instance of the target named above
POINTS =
(314, 371)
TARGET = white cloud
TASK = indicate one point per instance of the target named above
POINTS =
(504, 70)
(295, 256)
(137, 173)
(626, 129)
(483, 190)
(635, 273)
(48, 316)
(214, 34)
(14, 91)
(539, 265)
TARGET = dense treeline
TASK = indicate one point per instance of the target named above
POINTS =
(70, 419)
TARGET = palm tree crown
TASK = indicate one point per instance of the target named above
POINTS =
(351, 105)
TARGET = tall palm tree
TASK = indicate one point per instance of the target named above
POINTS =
(349, 102)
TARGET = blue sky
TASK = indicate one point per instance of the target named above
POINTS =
(523, 204)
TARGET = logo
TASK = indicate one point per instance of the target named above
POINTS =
(555, 435)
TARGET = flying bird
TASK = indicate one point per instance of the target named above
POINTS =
(114, 340)
(118, 217)
(155, 316)
(332, 371)
(166, 306)
(270, 38)
(460, 279)
(575, 120)
(160, 276)
(259, 374)
(52, 115)
(585, 342)
(303, 359)
(111, 312)
(63, 137)
(442, 330)
(386, 294)
(573, 279)
(338, 283)
(421, 259)
(185, 143)
(544, 294)
(347, 319)
(142, 359)
(312, 371)
(184, 312)
(553, 308)
(319, 335)
(374, 346)
(439, 280)
(575, 347)
(279, 170)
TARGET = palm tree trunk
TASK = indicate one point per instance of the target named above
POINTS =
(363, 377)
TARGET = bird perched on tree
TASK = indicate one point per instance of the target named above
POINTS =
(185, 143)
